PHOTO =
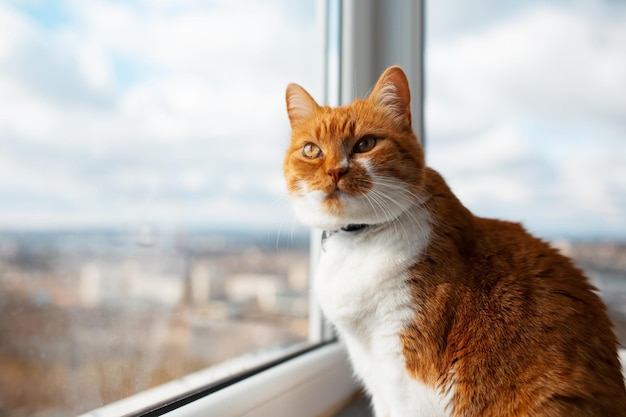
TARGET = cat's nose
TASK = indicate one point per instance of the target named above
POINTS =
(336, 173)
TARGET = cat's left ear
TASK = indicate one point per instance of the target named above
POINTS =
(300, 104)
(392, 93)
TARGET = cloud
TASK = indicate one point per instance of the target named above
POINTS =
(155, 111)
(547, 63)
(162, 110)
(525, 118)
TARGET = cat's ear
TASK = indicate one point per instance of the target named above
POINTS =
(300, 104)
(392, 93)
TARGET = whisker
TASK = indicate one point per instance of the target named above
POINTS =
(390, 193)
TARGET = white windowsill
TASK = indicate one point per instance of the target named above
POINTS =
(313, 384)
(310, 384)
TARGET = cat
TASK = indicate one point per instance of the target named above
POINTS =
(443, 313)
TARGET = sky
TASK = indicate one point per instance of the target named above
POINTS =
(158, 112)
(526, 111)
(116, 113)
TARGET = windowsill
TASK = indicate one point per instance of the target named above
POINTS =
(322, 374)
(317, 383)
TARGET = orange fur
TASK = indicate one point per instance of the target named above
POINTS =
(509, 320)
(503, 318)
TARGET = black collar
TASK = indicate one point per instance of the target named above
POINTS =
(349, 228)
(354, 227)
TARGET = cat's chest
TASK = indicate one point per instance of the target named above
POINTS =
(362, 286)
(358, 277)
(362, 277)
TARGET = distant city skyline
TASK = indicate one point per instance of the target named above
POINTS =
(130, 114)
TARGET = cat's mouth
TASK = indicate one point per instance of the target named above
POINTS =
(334, 195)
(333, 203)
(336, 189)
(335, 192)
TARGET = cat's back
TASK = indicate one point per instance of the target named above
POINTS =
(538, 324)
(514, 268)
(506, 322)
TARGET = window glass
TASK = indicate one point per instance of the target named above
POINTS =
(525, 111)
(145, 230)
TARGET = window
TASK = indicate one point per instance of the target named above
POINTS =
(141, 142)
(525, 113)
(146, 241)
(145, 233)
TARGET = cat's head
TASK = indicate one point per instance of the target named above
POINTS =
(356, 164)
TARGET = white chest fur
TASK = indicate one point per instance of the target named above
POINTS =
(361, 287)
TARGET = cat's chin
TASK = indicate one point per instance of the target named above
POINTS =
(321, 221)
(317, 218)
(309, 209)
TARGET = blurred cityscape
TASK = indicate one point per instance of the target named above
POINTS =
(91, 317)
(88, 318)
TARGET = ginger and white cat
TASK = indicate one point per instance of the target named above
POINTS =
(443, 313)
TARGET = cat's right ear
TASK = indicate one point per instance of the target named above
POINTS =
(392, 93)
(300, 104)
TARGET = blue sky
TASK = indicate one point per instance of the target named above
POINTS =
(49, 15)
(118, 113)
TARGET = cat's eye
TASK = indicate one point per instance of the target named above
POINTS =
(311, 151)
(365, 144)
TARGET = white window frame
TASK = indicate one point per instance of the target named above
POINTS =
(363, 37)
